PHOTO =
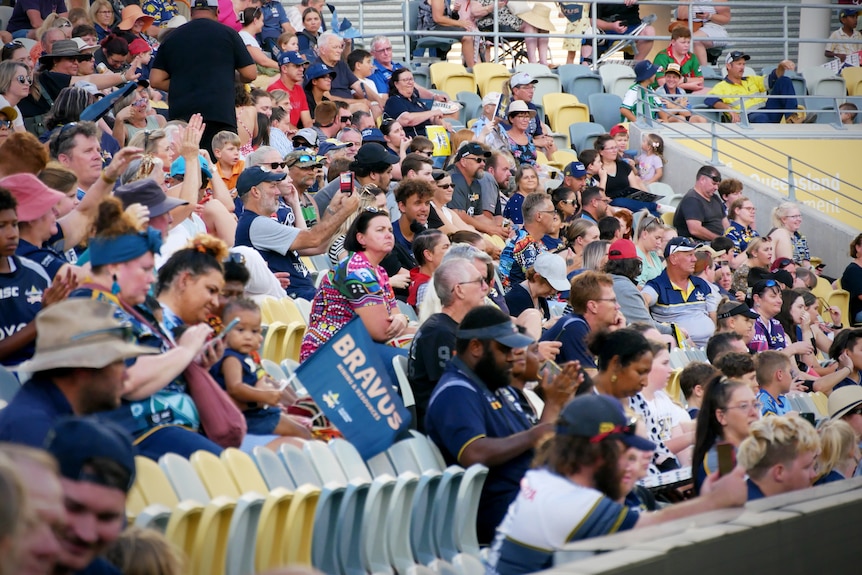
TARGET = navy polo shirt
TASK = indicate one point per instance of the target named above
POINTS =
(754, 492)
(513, 209)
(688, 307)
(20, 300)
(462, 409)
(572, 330)
(50, 259)
(32, 413)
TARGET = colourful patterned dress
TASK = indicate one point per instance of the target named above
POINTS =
(354, 283)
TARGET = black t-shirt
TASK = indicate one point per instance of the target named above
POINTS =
(52, 83)
(343, 80)
(429, 353)
(519, 299)
(201, 58)
(628, 15)
(710, 213)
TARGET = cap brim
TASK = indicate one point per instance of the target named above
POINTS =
(843, 411)
(514, 340)
(165, 206)
(93, 355)
(559, 284)
(749, 314)
(636, 441)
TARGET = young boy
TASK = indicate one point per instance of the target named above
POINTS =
(228, 165)
(360, 63)
(637, 101)
(739, 366)
(692, 381)
(674, 98)
(240, 374)
(678, 52)
(847, 39)
(848, 111)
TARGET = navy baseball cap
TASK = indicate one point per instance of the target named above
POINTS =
(318, 70)
(600, 417)
(471, 148)
(254, 176)
(575, 170)
(292, 58)
(77, 441)
(736, 55)
(504, 333)
(373, 135)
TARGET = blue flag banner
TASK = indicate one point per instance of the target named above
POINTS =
(348, 381)
(572, 11)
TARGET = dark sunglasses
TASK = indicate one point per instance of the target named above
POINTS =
(22, 79)
(716, 179)
(14, 45)
(344, 119)
(84, 58)
(5, 124)
(572, 202)
(445, 186)
(275, 165)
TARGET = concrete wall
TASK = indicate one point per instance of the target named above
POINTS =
(828, 238)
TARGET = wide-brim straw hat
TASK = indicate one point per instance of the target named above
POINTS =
(539, 17)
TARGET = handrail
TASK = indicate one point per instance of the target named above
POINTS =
(792, 174)
(496, 35)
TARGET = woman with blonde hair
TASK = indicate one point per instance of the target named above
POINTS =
(102, 16)
(779, 455)
(578, 235)
(839, 451)
(145, 552)
(788, 242)
(13, 516)
(649, 242)
(759, 254)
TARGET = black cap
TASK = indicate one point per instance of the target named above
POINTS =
(372, 153)
(471, 149)
(738, 309)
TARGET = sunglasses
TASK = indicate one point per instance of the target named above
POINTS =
(716, 179)
(572, 202)
(303, 158)
(5, 124)
(445, 186)
(274, 165)
(344, 119)
(14, 45)
(234, 259)
(24, 79)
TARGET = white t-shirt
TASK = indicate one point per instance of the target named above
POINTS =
(17, 123)
(248, 39)
(666, 414)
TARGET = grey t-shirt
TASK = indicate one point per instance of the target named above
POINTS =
(268, 234)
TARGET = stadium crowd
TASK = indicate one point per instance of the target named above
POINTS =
(151, 206)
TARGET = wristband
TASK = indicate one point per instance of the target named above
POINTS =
(104, 177)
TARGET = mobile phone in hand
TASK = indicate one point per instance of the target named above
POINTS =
(225, 331)
(345, 184)
(726, 458)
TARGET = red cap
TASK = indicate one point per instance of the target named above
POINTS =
(34, 198)
(622, 249)
(138, 46)
(619, 129)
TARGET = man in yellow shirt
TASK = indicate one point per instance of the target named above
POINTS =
(726, 94)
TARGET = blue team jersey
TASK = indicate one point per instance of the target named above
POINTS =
(20, 301)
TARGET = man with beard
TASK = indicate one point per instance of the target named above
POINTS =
(576, 492)
(78, 369)
(467, 171)
(473, 422)
(414, 202)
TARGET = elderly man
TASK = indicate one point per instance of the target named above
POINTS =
(678, 296)
(472, 422)
(381, 49)
(521, 251)
(700, 214)
(726, 94)
(346, 87)
(78, 368)
(460, 287)
(97, 470)
(281, 245)
(194, 88)
(291, 66)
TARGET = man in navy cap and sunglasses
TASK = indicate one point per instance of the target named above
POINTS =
(576, 493)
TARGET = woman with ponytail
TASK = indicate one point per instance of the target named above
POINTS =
(157, 408)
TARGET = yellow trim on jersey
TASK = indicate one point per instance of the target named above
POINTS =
(463, 447)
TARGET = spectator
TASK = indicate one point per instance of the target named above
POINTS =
(469, 168)
(692, 383)
(726, 94)
(788, 242)
(758, 255)
(140, 551)
(768, 332)
(102, 17)
(741, 230)
(851, 280)
(578, 235)
(624, 266)
(651, 160)
(112, 53)
(678, 296)
(310, 33)
(436, 15)
(650, 240)
(637, 101)
(725, 342)
(737, 317)
(594, 204)
(687, 65)
(97, 469)
(405, 105)
(848, 112)
(519, 140)
(575, 178)
(414, 203)
(523, 86)
(845, 404)
(544, 279)
(527, 182)
(76, 370)
(779, 456)
(29, 15)
(776, 378)
(346, 87)
(15, 82)
(471, 424)
(622, 180)
(291, 66)
(429, 248)
(610, 229)
(839, 452)
(294, 13)
(700, 214)
(372, 166)
(397, 141)
(134, 114)
(566, 203)
(449, 220)
(594, 308)
(206, 90)
(846, 350)
(847, 39)
(381, 49)
(739, 366)
(459, 291)
(276, 23)
(521, 251)
(726, 415)
(708, 21)
(487, 129)
(252, 20)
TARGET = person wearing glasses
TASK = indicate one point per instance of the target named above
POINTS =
(789, 243)
(727, 411)
(15, 83)
(741, 215)
(102, 16)
(521, 251)
(384, 66)
(700, 214)
(405, 105)
(575, 490)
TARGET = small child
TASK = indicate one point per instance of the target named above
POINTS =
(692, 382)
(421, 145)
(848, 112)
(360, 63)
(228, 165)
(637, 100)
(141, 54)
(240, 374)
(287, 42)
(651, 159)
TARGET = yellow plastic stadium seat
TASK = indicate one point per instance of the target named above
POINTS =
(135, 503)
(564, 157)
(268, 310)
(273, 343)
(209, 551)
(841, 299)
(452, 78)
(153, 484)
(214, 475)
(541, 158)
(293, 339)
(673, 389)
(183, 525)
(667, 218)
(243, 470)
(853, 77)
(490, 77)
(563, 110)
(272, 530)
(822, 290)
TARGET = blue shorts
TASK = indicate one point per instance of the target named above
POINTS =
(262, 420)
(174, 439)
